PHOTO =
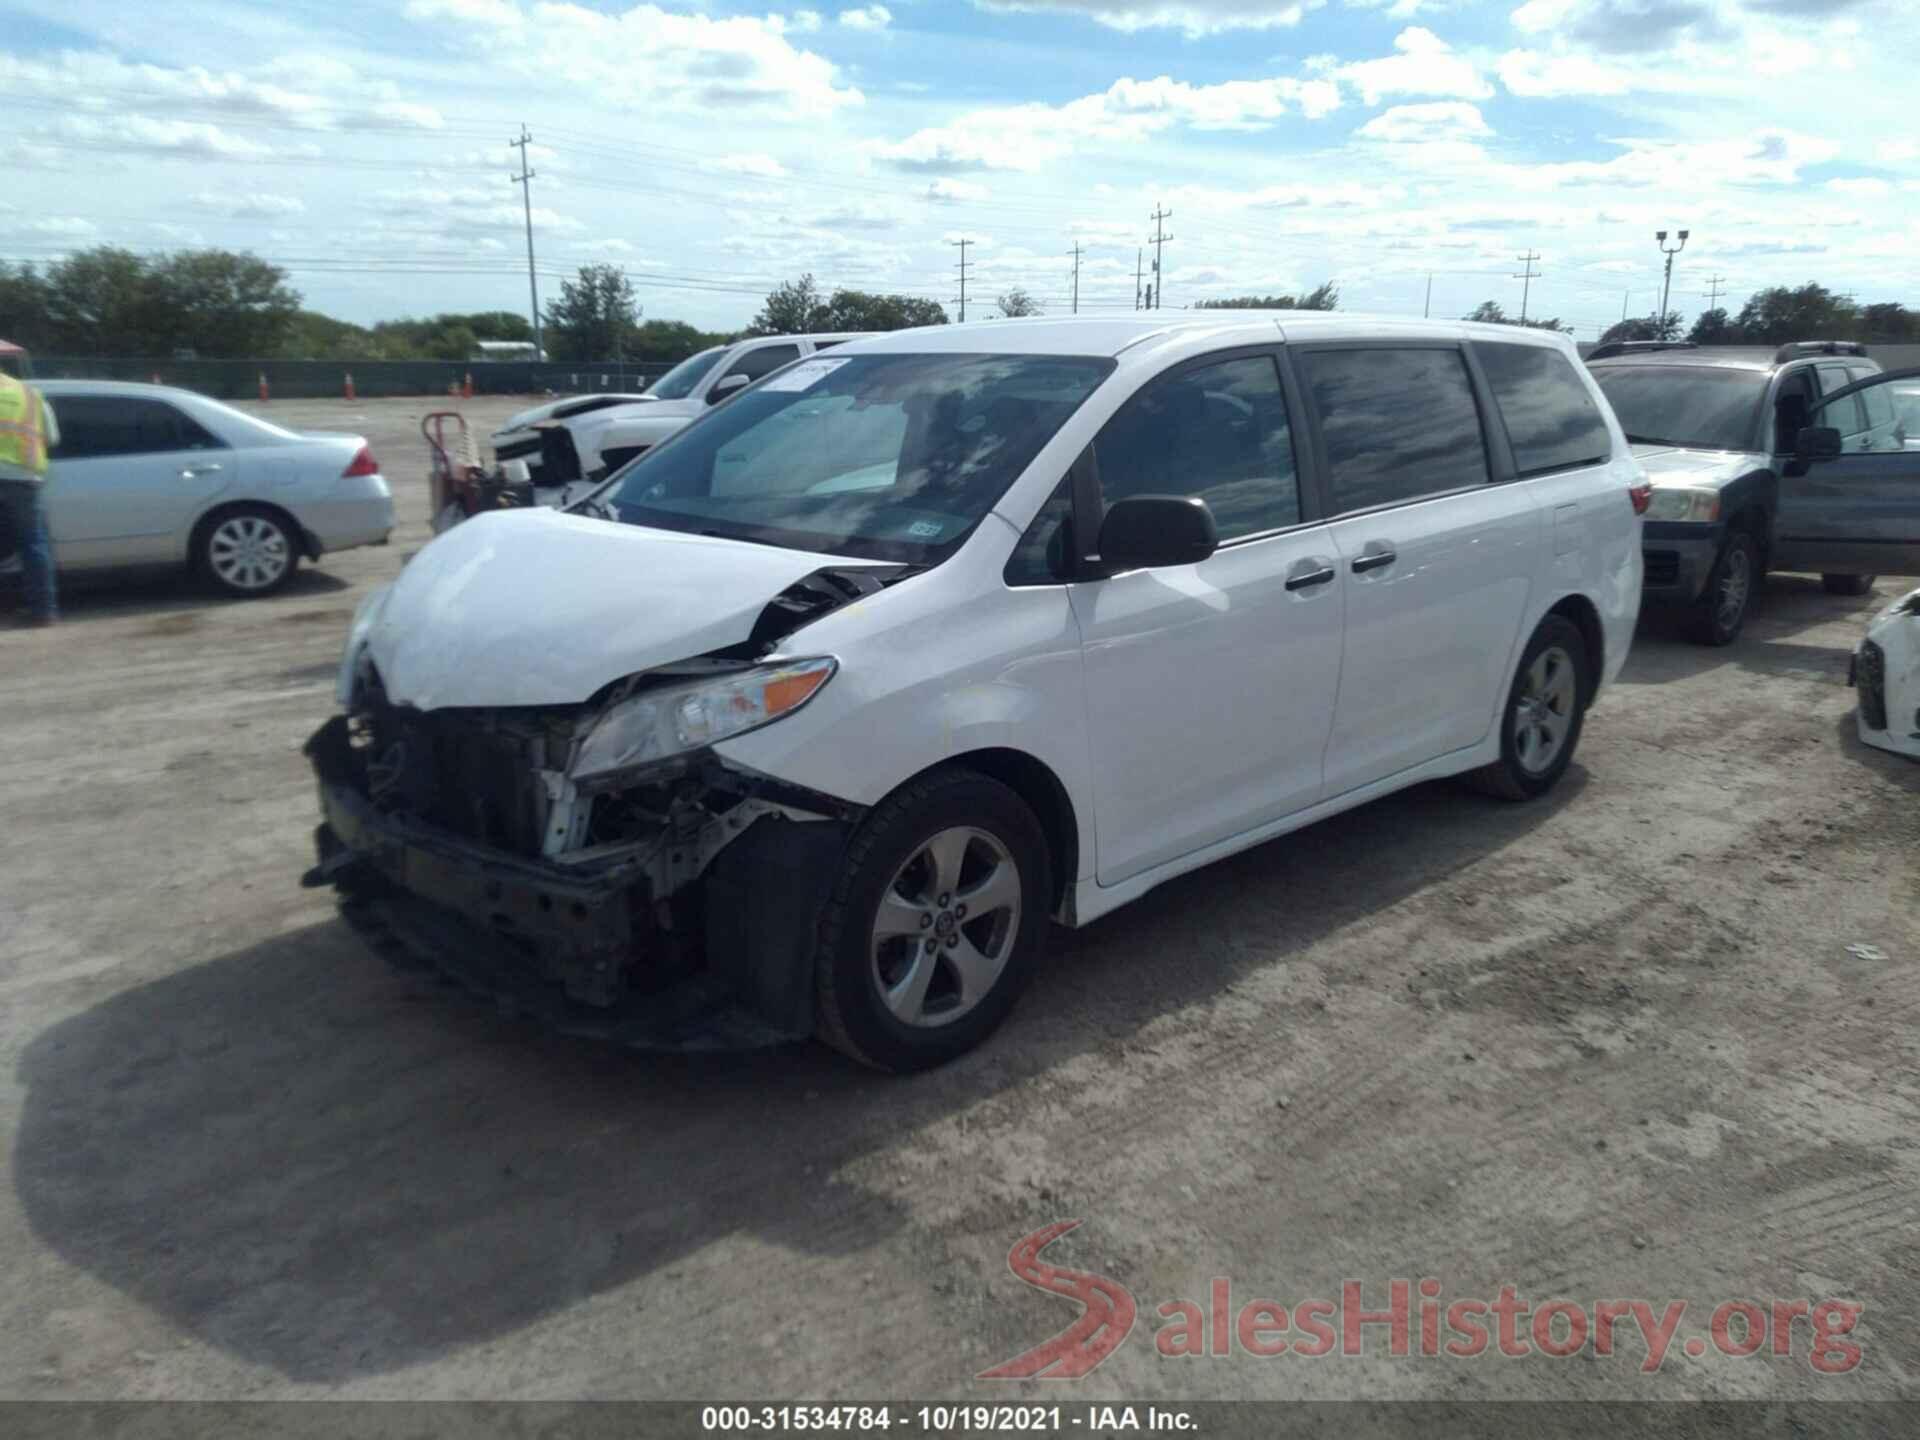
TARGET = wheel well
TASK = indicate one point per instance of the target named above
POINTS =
(1580, 611)
(308, 547)
(1752, 519)
(1034, 783)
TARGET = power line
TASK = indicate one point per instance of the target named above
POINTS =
(525, 181)
(1528, 276)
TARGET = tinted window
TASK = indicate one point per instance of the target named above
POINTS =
(1704, 407)
(764, 361)
(1552, 421)
(1398, 424)
(1044, 556)
(96, 425)
(1217, 431)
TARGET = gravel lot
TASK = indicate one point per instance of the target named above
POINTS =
(1611, 1045)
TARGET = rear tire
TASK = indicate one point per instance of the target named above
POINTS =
(1848, 584)
(1545, 708)
(247, 551)
(902, 981)
(1720, 613)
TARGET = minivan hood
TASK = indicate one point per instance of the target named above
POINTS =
(1673, 465)
(571, 405)
(539, 607)
(652, 410)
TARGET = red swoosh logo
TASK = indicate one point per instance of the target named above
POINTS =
(1079, 1348)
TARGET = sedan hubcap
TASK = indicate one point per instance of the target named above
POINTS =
(945, 927)
(249, 552)
(1543, 714)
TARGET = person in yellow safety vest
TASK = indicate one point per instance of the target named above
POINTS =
(28, 431)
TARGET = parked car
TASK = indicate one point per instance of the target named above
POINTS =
(590, 436)
(812, 719)
(147, 475)
(1735, 494)
(1885, 670)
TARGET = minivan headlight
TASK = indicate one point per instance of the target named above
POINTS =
(674, 719)
(1678, 502)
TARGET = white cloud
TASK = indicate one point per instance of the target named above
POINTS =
(1536, 74)
(867, 17)
(693, 62)
(1025, 137)
(805, 21)
(1424, 65)
(765, 167)
(143, 133)
(947, 191)
(1863, 187)
(254, 205)
(1193, 20)
(1440, 120)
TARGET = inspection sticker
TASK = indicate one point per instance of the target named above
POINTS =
(804, 376)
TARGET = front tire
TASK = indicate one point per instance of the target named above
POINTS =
(1540, 723)
(1721, 611)
(936, 924)
(247, 552)
(1848, 584)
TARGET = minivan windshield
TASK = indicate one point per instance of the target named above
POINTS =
(881, 457)
(678, 382)
(1701, 407)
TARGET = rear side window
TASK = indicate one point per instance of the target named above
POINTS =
(1551, 419)
(95, 425)
(764, 361)
(1398, 424)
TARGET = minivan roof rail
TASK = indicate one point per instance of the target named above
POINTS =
(1637, 347)
(1798, 348)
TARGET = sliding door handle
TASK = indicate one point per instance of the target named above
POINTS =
(1374, 560)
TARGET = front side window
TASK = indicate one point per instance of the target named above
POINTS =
(1698, 407)
(678, 383)
(1399, 424)
(764, 361)
(877, 457)
(1866, 420)
(1551, 419)
(92, 426)
(1217, 431)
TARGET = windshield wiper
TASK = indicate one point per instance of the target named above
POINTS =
(599, 509)
(1634, 439)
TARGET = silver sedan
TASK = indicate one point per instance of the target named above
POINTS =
(148, 475)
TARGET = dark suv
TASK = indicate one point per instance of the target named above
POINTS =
(1788, 459)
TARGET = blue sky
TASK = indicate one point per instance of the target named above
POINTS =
(715, 149)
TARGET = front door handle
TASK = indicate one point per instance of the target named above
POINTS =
(1307, 579)
(194, 470)
(1374, 560)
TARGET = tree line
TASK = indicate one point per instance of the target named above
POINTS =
(1780, 314)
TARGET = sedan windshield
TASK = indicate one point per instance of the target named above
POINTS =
(882, 457)
(1698, 406)
(678, 382)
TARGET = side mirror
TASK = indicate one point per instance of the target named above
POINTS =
(725, 386)
(1817, 442)
(1145, 532)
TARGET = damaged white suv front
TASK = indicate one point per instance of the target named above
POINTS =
(1886, 673)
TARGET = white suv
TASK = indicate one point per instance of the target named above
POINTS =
(809, 721)
(591, 436)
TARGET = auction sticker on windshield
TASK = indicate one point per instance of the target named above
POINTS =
(804, 376)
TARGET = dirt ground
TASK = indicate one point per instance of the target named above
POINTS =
(1611, 1045)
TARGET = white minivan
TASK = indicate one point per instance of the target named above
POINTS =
(810, 719)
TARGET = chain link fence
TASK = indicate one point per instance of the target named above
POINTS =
(316, 379)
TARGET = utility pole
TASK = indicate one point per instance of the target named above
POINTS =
(1625, 296)
(1666, 285)
(525, 181)
(1076, 277)
(1713, 291)
(1427, 309)
(962, 242)
(1528, 275)
(1159, 238)
(1138, 253)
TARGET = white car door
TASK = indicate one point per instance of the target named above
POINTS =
(128, 477)
(1209, 687)
(1437, 561)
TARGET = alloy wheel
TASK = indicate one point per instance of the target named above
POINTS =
(1543, 713)
(945, 927)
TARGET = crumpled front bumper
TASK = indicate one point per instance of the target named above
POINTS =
(581, 948)
(1885, 674)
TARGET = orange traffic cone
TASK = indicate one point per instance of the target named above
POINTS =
(263, 386)
(466, 390)
(350, 394)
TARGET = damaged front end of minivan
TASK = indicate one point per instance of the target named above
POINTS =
(598, 865)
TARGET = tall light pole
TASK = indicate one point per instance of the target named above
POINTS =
(1666, 285)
